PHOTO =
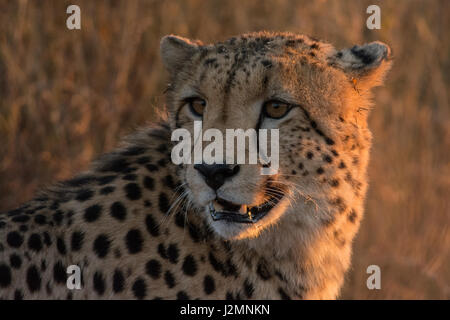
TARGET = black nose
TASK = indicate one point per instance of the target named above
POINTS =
(216, 174)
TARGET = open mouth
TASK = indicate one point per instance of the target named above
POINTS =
(221, 209)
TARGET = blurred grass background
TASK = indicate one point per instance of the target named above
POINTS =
(67, 96)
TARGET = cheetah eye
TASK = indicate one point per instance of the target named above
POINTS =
(196, 105)
(276, 109)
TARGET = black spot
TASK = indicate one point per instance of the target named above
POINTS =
(291, 43)
(92, 213)
(262, 270)
(352, 216)
(99, 283)
(61, 246)
(23, 228)
(327, 158)
(115, 165)
(301, 166)
(15, 212)
(143, 160)
(118, 211)
(334, 183)
(248, 288)
(130, 177)
(162, 148)
(194, 232)
(101, 245)
(189, 266)
(133, 191)
(216, 264)
(5, 276)
(59, 272)
(14, 239)
(34, 242)
(149, 183)
(208, 284)
(43, 265)
(139, 289)
(21, 218)
(33, 279)
(47, 239)
(153, 268)
(107, 190)
(329, 141)
(163, 203)
(339, 237)
(79, 181)
(84, 195)
(182, 295)
(18, 295)
(283, 294)
(209, 61)
(151, 167)
(169, 279)
(180, 219)
(15, 261)
(105, 180)
(58, 217)
(162, 251)
(309, 155)
(266, 63)
(162, 162)
(320, 170)
(77, 240)
(152, 226)
(339, 203)
(168, 182)
(134, 241)
(118, 281)
(54, 206)
(173, 253)
(342, 165)
(40, 219)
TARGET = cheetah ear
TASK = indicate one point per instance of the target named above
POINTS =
(365, 65)
(175, 51)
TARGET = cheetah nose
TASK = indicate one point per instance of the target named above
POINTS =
(215, 175)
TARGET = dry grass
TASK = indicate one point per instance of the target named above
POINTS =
(67, 96)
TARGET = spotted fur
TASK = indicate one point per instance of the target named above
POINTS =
(123, 224)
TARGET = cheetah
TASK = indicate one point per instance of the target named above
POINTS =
(140, 227)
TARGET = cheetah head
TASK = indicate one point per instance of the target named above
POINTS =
(317, 97)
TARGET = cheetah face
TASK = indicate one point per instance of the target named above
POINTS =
(265, 81)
